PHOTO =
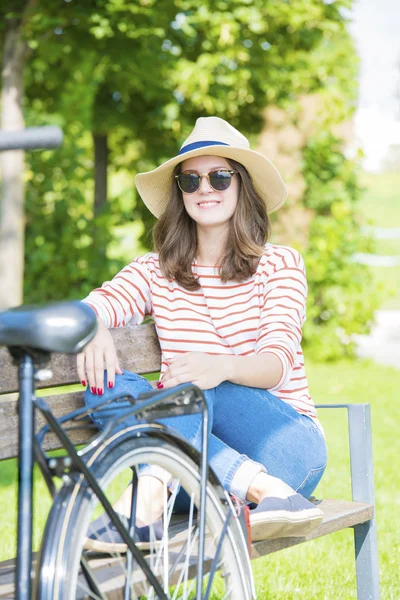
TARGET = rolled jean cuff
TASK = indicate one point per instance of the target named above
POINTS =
(243, 478)
(156, 471)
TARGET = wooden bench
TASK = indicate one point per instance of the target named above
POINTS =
(139, 351)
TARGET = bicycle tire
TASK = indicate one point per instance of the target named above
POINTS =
(58, 569)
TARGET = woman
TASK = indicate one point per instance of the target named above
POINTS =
(228, 308)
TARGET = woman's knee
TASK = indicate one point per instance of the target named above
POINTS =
(308, 464)
(311, 481)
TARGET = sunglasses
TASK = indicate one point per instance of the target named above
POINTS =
(220, 180)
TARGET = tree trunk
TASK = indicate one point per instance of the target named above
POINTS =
(100, 171)
(100, 188)
(12, 223)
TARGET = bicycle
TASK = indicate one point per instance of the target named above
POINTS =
(194, 546)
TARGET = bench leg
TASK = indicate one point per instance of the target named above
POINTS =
(362, 476)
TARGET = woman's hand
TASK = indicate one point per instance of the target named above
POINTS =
(98, 355)
(204, 370)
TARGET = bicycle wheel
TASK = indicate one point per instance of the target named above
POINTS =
(173, 560)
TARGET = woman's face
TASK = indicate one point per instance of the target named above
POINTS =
(207, 207)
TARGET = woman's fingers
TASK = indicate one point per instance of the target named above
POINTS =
(118, 369)
(99, 370)
(94, 363)
(89, 367)
(111, 366)
(80, 364)
(100, 354)
(176, 381)
(178, 369)
(175, 376)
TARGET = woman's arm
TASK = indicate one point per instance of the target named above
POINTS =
(125, 298)
(207, 371)
(260, 370)
(283, 314)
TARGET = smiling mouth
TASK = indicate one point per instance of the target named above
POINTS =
(208, 204)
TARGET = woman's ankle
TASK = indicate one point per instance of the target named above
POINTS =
(152, 497)
(265, 485)
(124, 503)
(150, 500)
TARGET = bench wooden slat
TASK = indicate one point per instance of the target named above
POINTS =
(137, 347)
(60, 405)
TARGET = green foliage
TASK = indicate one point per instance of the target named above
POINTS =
(62, 258)
(341, 294)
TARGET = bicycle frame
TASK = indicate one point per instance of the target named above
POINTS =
(23, 584)
(186, 399)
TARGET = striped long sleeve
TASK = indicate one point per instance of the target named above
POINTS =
(125, 298)
(283, 313)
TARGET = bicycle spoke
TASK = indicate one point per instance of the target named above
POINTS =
(191, 510)
(166, 523)
(165, 535)
(217, 554)
(193, 581)
(89, 592)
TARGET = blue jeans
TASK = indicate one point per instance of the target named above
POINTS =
(251, 431)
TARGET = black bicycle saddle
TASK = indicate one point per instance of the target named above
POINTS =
(58, 327)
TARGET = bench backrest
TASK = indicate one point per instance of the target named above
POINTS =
(138, 350)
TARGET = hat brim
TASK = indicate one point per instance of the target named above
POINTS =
(155, 187)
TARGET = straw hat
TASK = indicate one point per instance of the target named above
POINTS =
(214, 137)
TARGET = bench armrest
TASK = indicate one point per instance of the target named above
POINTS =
(362, 485)
(360, 442)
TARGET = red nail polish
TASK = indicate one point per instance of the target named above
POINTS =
(93, 390)
(99, 391)
(83, 382)
(110, 385)
(160, 385)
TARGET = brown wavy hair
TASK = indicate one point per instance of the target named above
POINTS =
(175, 236)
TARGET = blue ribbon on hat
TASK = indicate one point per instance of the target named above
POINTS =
(196, 145)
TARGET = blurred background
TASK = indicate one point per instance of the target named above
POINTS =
(315, 85)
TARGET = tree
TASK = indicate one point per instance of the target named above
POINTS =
(12, 223)
(136, 75)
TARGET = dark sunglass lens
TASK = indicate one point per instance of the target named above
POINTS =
(189, 182)
(220, 180)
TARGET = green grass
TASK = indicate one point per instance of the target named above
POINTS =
(322, 569)
(387, 279)
(388, 247)
(380, 201)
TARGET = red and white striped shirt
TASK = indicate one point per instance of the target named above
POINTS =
(265, 313)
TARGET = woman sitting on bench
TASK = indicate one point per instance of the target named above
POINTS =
(228, 309)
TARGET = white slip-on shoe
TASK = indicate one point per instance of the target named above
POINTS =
(103, 536)
(294, 516)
